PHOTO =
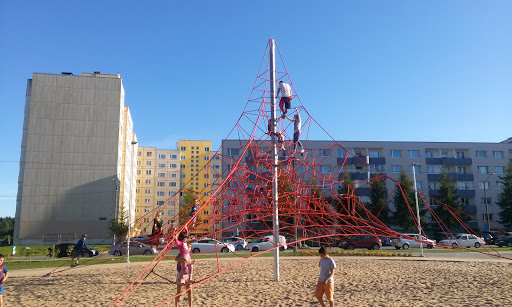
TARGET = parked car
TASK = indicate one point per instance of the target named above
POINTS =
(208, 244)
(136, 248)
(268, 242)
(464, 240)
(386, 241)
(504, 241)
(238, 242)
(369, 242)
(405, 243)
(64, 250)
(489, 237)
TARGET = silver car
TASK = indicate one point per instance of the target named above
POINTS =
(136, 248)
(464, 240)
(405, 243)
(238, 242)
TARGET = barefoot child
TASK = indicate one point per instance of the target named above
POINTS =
(3, 277)
(325, 282)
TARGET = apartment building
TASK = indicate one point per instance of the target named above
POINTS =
(474, 167)
(74, 157)
(158, 180)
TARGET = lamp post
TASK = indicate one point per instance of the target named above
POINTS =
(488, 226)
(417, 207)
(130, 205)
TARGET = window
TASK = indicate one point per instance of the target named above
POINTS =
(139, 163)
(149, 154)
(148, 162)
(465, 185)
(206, 158)
(484, 184)
(233, 151)
(414, 154)
(324, 152)
(183, 148)
(173, 175)
(182, 175)
(395, 153)
(138, 172)
(216, 175)
(205, 194)
(460, 155)
(182, 166)
(138, 181)
(206, 185)
(482, 169)
(159, 202)
(137, 191)
(172, 166)
(217, 166)
(416, 168)
(182, 185)
(172, 184)
(160, 193)
(481, 154)
(139, 154)
(173, 156)
(147, 201)
(378, 167)
(161, 156)
(498, 154)
(207, 149)
(484, 201)
(484, 217)
(161, 175)
(160, 184)
(206, 176)
(183, 158)
(432, 186)
(396, 168)
(444, 154)
(161, 165)
(148, 181)
(499, 184)
(428, 154)
(499, 169)
(374, 153)
(173, 203)
(418, 185)
(461, 170)
(325, 169)
(147, 191)
(170, 212)
(148, 172)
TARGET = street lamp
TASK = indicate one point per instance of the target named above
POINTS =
(488, 226)
(130, 205)
(417, 207)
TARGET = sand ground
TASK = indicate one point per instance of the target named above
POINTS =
(358, 282)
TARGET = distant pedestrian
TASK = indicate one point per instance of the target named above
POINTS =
(4, 273)
(286, 97)
(78, 249)
(325, 282)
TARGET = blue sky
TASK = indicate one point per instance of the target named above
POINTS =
(365, 70)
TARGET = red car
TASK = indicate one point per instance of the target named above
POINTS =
(369, 242)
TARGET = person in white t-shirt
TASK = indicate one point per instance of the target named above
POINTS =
(325, 283)
(286, 97)
(297, 126)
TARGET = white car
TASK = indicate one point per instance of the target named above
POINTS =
(464, 240)
(405, 243)
(266, 243)
(208, 245)
(238, 242)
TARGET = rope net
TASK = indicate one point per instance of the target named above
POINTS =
(318, 204)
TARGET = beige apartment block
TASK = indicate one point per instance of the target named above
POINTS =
(158, 181)
(74, 158)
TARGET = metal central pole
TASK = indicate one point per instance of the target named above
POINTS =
(417, 207)
(275, 210)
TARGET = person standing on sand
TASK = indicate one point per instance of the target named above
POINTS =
(3, 277)
(77, 250)
(184, 276)
(325, 282)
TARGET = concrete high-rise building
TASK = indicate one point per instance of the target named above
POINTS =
(76, 160)
(158, 179)
(475, 168)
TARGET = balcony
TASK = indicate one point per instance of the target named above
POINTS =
(452, 176)
(459, 193)
(361, 160)
(449, 161)
(357, 176)
(470, 210)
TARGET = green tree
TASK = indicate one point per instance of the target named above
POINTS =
(118, 227)
(378, 198)
(447, 198)
(505, 197)
(188, 199)
(402, 215)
